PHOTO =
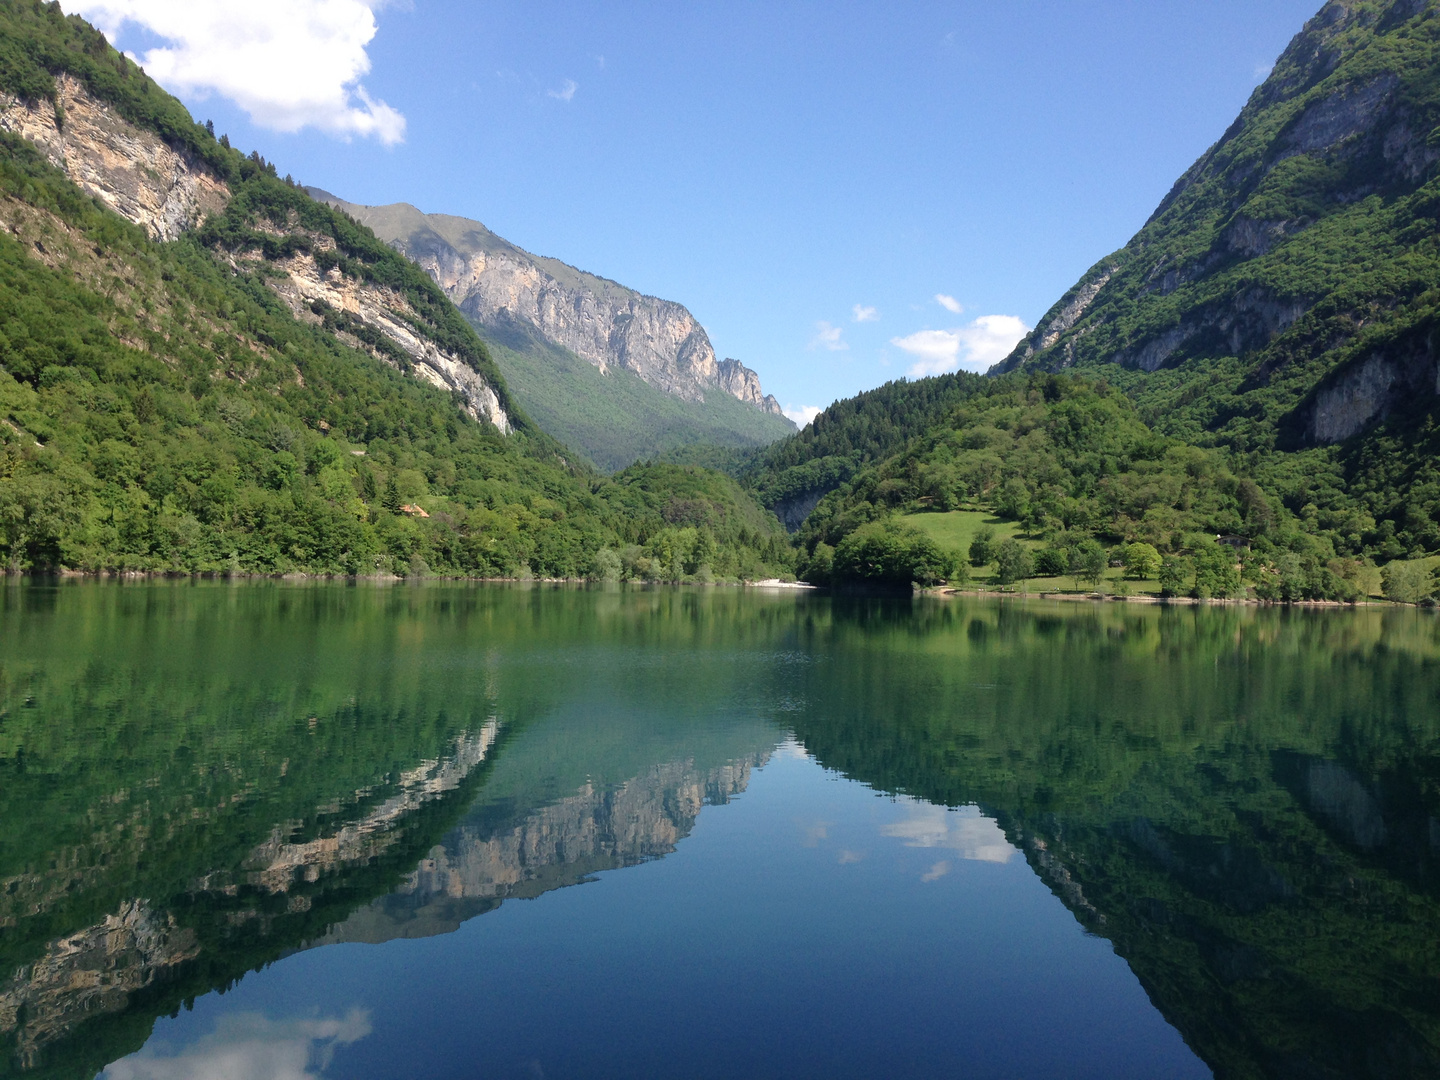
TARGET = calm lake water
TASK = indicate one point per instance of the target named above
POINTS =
(253, 831)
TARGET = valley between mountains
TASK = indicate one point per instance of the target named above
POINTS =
(208, 368)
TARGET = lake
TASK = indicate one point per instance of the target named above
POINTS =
(287, 830)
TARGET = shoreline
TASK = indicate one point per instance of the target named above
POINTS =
(298, 577)
(946, 592)
(943, 592)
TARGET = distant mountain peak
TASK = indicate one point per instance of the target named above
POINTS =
(494, 282)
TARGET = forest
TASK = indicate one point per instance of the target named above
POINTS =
(1069, 458)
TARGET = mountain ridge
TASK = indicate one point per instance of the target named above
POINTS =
(1287, 241)
(1283, 300)
(511, 296)
(682, 362)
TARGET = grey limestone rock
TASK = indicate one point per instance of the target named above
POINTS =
(496, 283)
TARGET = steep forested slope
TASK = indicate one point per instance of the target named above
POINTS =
(1070, 459)
(792, 475)
(203, 369)
(1284, 295)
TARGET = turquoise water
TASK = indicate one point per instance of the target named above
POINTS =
(319, 830)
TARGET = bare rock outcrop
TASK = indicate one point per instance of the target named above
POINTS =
(132, 171)
(167, 192)
(1368, 390)
(386, 310)
(95, 970)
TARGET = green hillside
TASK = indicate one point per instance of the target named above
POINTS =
(1282, 301)
(1070, 461)
(616, 418)
(162, 408)
(792, 475)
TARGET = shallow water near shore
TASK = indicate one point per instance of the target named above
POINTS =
(278, 829)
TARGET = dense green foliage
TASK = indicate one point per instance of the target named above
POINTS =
(1297, 250)
(1070, 460)
(164, 410)
(849, 435)
(883, 552)
(1056, 453)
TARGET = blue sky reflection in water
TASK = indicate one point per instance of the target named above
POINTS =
(808, 928)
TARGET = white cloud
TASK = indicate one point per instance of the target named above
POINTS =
(974, 347)
(966, 831)
(865, 314)
(803, 414)
(566, 91)
(812, 832)
(949, 303)
(829, 337)
(1262, 71)
(289, 64)
(250, 1047)
(936, 872)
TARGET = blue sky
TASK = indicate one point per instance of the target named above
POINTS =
(808, 179)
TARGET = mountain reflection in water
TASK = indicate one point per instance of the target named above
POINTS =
(199, 781)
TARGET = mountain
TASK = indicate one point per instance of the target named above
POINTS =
(614, 373)
(1284, 295)
(202, 369)
(1259, 361)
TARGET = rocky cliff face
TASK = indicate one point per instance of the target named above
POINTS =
(479, 865)
(130, 170)
(304, 287)
(1294, 244)
(95, 970)
(493, 281)
(167, 193)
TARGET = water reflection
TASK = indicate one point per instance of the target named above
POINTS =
(248, 1046)
(198, 781)
(490, 856)
(965, 830)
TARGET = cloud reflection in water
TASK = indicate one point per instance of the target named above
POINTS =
(965, 831)
(250, 1047)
